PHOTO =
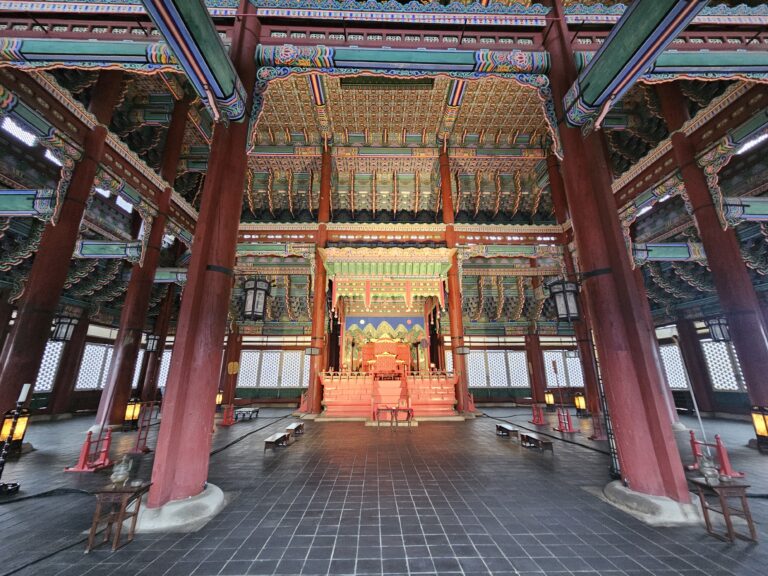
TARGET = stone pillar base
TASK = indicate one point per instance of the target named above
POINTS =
(653, 510)
(188, 515)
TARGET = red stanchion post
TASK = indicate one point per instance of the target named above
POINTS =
(538, 415)
(82, 461)
(228, 417)
(725, 467)
(695, 448)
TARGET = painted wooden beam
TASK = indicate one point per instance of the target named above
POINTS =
(130, 251)
(188, 29)
(37, 203)
(668, 252)
(642, 33)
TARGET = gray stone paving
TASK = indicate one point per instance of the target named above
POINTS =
(442, 498)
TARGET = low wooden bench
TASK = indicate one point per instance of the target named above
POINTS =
(295, 428)
(277, 439)
(507, 430)
(531, 440)
(243, 413)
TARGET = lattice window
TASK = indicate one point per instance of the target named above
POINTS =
(574, 372)
(476, 371)
(673, 367)
(270, 369)
(448, 361)
(249, 369)
(518, 369)
(165, 366)
(558, 379)
(49, 366)
(137, 368)
(497, 368)
(94, 367)
(305, 375)
(291, 368)
(107, 365)
(724, 369)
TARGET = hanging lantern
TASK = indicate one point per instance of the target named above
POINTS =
(132, 410)
(63, 327)
(718, 329)
(549, 398)
(256, 292)
(581, 404)
(219, 398)
(566, 297)
(153, 341)
(760, 421)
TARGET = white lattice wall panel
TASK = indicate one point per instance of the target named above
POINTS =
(476, 373)
(94, 366)
(305, 373)
(674, 367)
(721, 366)
(165, 366)
(249, 369)
(575, 374)
(448, 361)
(554, 379)
(270, 369)
(49, 366)
(497, 368)
(137, 369)
(291, 376)
(518, 369)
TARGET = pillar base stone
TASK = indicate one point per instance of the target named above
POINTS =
(188, 515)
(653, 510)
(679, 427)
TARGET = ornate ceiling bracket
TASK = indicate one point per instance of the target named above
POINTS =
(60, 148)
(451, 111)
(642, 33)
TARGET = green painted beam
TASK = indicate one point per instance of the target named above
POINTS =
(38, 203)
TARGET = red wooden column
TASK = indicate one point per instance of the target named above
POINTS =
(228, 382)
(580, 328)
(454, 286)
(149, 388)
(649, 458)
(318, 337)
(117, 390)
(536, 369)
(25, 345)
(181, 462)
(695, 364)
(69, 368)
(738, 299)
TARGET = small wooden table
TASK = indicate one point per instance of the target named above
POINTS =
(112, 504)
(506, 430)
(725, 490)
(531, 440)
(243, 413)
(277, 439)
(386, 410)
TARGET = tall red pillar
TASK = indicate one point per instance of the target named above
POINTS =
(6, 314)
(69, 367)
(580, 328)
(228, 381)
(738, 299)
(455, 316)
(648, 455)
(117, 390)
(181, 462)
(149, 387)
(25, 345)
(318, 336)
(536, 369)
(695, 364)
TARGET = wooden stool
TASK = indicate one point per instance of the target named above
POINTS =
(112, 504)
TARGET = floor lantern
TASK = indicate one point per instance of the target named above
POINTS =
(132, 410)
(581, 405)
(12, 434)
(760, 420)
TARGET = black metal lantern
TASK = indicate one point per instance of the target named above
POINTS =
(566, 297)
(718, 329)
(256, 292)
(63, 327)
(153, 341)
